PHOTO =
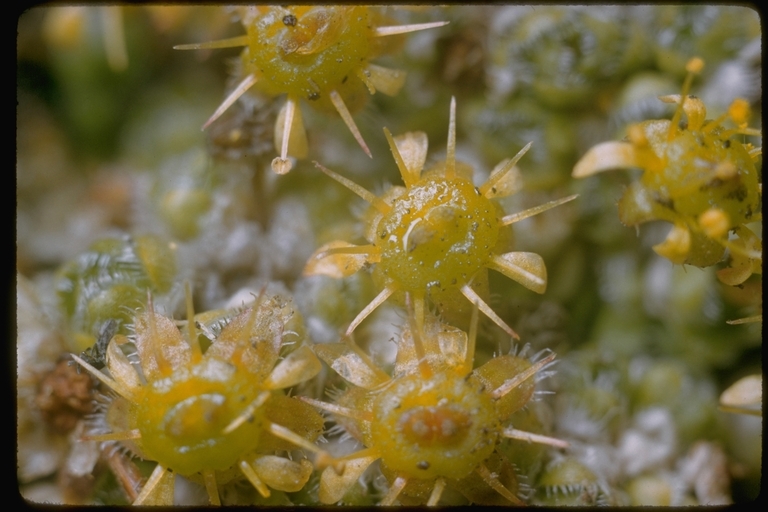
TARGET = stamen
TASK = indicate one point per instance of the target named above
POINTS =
(694, 66)
(283, 165)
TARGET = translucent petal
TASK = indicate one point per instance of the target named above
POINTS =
(336, 265)
(351, 365)
(120, 367)
(282, 474)
(333, 486)
(527, 268)
(412, 146)
(387, 80)
(298, 366)
(159, 488)
(605, 157)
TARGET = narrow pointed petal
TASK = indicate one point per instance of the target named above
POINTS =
(343, 111)
(194, 344)
(376, 302)
(323, 458)
(159, 488)
(247, 412)
(493, 481)
(437, 492)
(338, 410)
(450, 160)
(238, 91)
(114, 385)
(357, 189)
(404, 29)
(745, 320)
(209, 478)
(298, 366)
(394, 491)
(521, 377)
(513, 433)
(113, 436)
(232, 42)
(469, 355)
(530, 212)
(252, 477)
(127, 474)
(416, 327)
(527, 268)
(485, 308)
(505, 178)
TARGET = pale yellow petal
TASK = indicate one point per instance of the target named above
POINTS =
(335, 265)
(605, 157)
(333, 486)
(298, 366)
(527, 268)
(282, 474)
(350, 365)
